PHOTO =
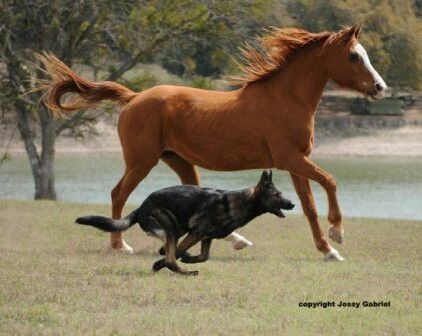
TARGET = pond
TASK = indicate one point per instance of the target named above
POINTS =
(384, 187)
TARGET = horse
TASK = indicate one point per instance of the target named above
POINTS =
(268, 122)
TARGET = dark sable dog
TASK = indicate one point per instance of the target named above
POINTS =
(203, 213)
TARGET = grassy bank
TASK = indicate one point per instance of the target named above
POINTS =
(59, 278)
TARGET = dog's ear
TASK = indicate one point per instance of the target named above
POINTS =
(265, 180)
(264, 177)
(270, 176)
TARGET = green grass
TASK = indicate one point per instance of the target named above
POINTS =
(60, 278)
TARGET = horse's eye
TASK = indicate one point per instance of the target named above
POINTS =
(353, 57)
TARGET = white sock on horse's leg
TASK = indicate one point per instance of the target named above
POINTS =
(333, 255)
(125, 248)
(239, 242)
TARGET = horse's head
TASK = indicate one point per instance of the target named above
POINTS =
(348, 64)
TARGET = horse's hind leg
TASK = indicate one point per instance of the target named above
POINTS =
(186, 171)
(189, 175)
(131, 178)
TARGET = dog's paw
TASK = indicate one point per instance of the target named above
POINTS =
(191, 273)
(158, 265)
(162, 251)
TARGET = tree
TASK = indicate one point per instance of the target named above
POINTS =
(76, 31)
(228, 25)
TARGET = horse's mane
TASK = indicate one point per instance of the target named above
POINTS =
(278, 46)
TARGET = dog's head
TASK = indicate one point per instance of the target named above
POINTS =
(269, 197)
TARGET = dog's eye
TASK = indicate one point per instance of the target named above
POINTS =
(353, 57)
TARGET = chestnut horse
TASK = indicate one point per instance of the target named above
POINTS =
(267, 123)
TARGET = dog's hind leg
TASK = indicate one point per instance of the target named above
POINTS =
(204, 256)
(170, 258)
(189, 175)
(173, 252)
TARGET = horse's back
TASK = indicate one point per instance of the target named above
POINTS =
(165, 101)
(210, 129)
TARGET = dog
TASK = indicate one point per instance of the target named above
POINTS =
(203, 214)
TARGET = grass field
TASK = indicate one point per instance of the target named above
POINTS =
(59, 278)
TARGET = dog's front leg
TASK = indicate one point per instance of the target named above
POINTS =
(204, 256)
(162, 251)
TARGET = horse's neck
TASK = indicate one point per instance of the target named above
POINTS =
(302, 79)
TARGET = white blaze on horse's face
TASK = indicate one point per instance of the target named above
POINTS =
(379, 87)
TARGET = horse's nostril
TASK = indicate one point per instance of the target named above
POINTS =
(378, 86)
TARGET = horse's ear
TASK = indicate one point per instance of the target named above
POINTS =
(351, 32)
(357, 29)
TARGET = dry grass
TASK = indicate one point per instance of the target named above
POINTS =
(59, 278)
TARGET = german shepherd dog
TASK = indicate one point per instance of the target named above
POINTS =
(203, 213)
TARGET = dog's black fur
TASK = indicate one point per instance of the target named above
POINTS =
(203, 213)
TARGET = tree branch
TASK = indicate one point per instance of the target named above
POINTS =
(70, 122)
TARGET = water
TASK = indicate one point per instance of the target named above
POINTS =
(367, 187)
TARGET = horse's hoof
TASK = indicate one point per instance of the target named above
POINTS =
(123, 248)
(333, 255)
(241, 244)
(336, 235)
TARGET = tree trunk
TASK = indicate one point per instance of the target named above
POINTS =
(44, 184)
(42, 166)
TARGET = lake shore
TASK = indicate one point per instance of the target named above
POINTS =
(402, 142)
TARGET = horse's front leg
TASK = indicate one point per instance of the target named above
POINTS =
(304, 191)
(302, 166)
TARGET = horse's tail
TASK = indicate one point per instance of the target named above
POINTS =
(63, 80)
(108, 224)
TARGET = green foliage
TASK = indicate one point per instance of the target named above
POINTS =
(225, 26)
(203, 83)
(141, 82)
(4, 157)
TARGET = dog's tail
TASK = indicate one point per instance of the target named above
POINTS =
(108, 224)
